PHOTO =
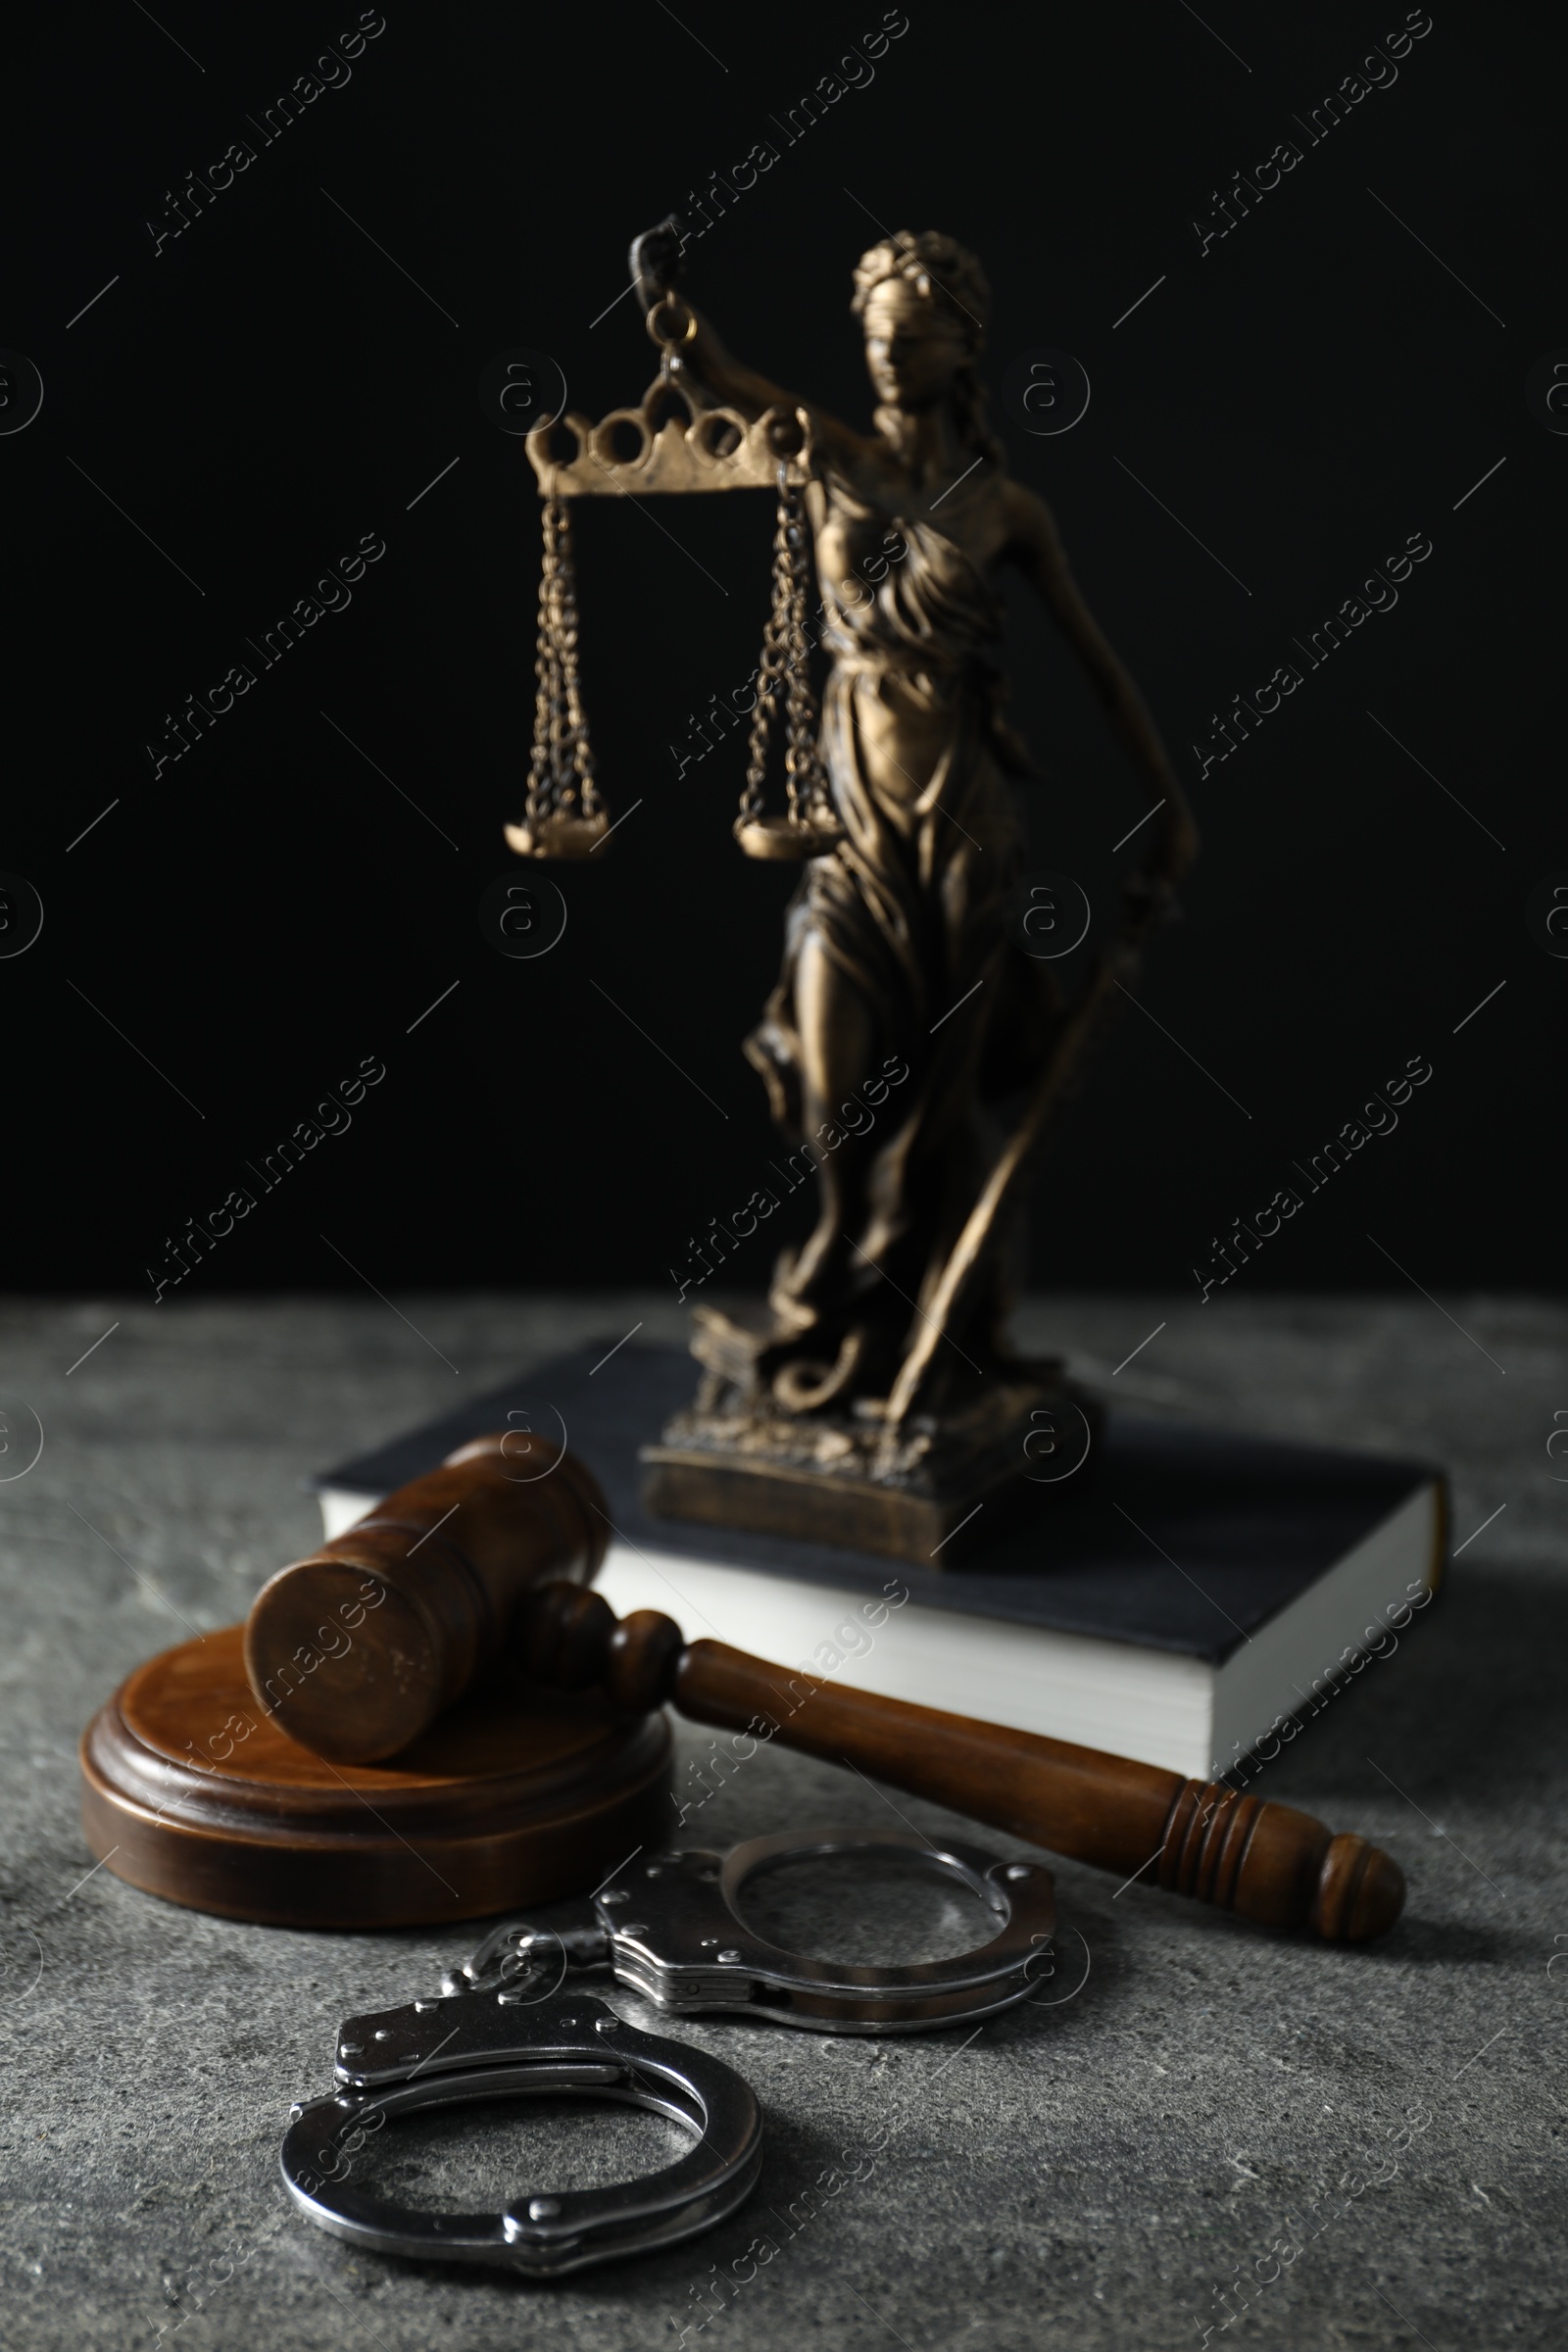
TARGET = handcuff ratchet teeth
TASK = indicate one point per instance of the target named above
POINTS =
(670, 1928)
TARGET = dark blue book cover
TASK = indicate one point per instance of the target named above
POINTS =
(1171, 1537)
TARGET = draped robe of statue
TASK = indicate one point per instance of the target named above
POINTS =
(909, 912)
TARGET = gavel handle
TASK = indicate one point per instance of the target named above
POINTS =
(1266, 1862)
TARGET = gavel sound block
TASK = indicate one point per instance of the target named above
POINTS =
(195, 1788)
(457, 1564)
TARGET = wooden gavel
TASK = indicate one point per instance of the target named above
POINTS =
(410, 1610)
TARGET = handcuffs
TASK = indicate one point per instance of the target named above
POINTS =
(505, 2025)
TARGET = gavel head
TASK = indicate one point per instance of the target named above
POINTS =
(358, 1649)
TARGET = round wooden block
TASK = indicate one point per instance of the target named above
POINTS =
(517, 1795)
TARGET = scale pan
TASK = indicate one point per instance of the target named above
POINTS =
(558, 836)
(779, 837)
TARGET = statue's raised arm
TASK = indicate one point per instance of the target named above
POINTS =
(656, 259)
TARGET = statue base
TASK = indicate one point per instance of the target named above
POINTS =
(932, 1490)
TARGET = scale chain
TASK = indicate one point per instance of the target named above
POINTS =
(783, 666)
(561, 778)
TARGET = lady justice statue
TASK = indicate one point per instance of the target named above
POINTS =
(881, 1401)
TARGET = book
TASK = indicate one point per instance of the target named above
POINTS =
(1180, 1595)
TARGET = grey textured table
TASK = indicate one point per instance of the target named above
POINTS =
(1369, 2147)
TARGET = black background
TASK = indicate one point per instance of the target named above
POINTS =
(270, 386)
